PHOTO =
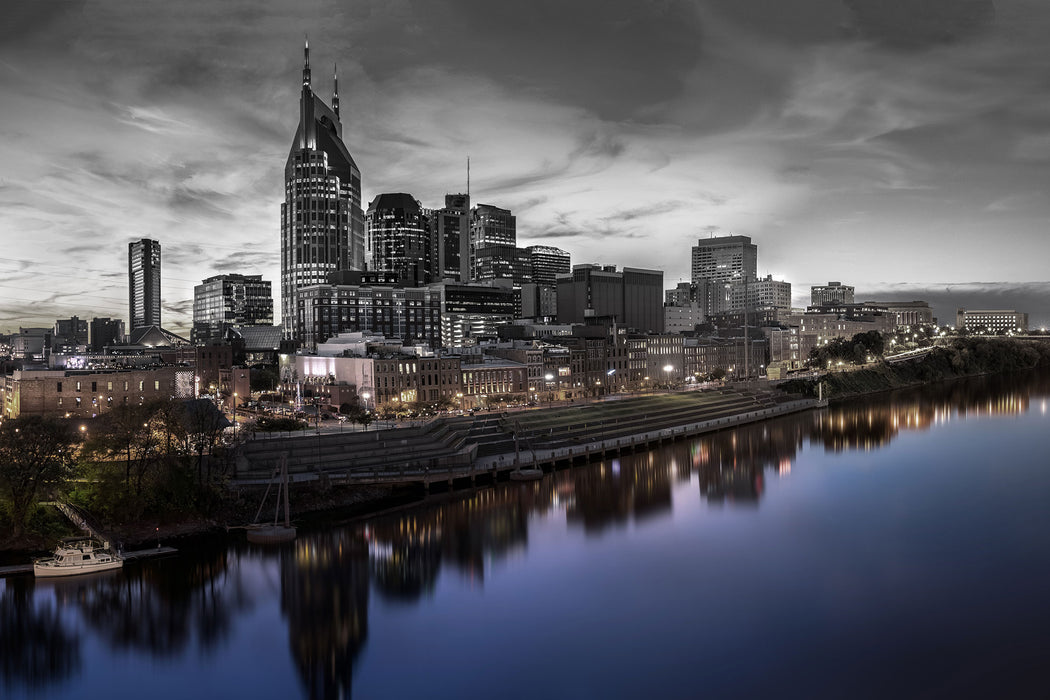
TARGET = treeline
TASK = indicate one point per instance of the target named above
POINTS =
(160, 461)
(959, 357)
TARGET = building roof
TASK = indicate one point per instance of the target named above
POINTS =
(257, 337)
(394, 200)
(155, 337)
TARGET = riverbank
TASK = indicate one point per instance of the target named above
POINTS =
(327, 485)
(956, 359)
(354, 474)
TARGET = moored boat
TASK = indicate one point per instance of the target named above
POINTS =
(274, 533)
(526, 474)
(78, 555)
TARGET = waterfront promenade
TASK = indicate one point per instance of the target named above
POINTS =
(489, 445)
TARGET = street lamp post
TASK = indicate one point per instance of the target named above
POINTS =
(235, 415)
(550, 394)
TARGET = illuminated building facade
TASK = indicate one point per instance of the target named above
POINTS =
(322, 224)
(489, 226)
(225, 301)
(398, 238)
(991, 321)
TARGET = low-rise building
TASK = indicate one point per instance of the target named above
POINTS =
(89, 393)
(991, 321)
(493, 377)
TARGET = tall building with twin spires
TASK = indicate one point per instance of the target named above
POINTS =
(322, 223)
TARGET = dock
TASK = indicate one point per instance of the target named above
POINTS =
(135, 555)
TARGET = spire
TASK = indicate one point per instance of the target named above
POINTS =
(335, 89)
(306, 63)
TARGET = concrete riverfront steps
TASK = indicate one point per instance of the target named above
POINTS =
(484, 446)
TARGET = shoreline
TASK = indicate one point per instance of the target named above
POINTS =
(349, 502)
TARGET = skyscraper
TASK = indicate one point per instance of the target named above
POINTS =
(490, 226)
(398, 238)
(322, 225)
(725, 259)
(223, 301)
(144, 283)
(722, 262)
(451, 238)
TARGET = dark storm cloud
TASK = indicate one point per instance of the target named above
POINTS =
(609, 56)
(27, 21)
(791, 21)
(920, 24)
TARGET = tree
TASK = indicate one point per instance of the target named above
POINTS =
(35, 454)
(127, 435)
(204, 426)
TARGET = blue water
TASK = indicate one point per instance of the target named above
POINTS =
(895, 547)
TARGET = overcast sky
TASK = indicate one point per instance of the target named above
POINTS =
(901, 146)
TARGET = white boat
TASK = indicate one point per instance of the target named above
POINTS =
(78, 555)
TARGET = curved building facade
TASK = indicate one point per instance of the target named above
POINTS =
(398, 238)
(322, 224)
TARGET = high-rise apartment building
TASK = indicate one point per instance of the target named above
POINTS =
(226, 301)
(398, 238)
(831, 293)
(322, 224)
(489, 226)
(144, 283)
(450, 228)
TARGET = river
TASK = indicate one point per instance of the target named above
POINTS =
(897, 546)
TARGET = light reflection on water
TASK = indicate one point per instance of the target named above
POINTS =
(812, 547)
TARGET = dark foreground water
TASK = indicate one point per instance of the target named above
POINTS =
(896, 547)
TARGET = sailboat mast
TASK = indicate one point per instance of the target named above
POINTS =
(284, 479)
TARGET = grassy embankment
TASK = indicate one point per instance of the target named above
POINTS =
(960, 357)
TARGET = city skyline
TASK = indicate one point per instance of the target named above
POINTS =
(901, 151)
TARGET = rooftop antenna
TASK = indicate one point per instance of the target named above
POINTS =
(468, 176)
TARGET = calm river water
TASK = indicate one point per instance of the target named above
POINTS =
(894, 547)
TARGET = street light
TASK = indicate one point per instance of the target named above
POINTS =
(235, 415)
(550, 395)
(667, 375)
